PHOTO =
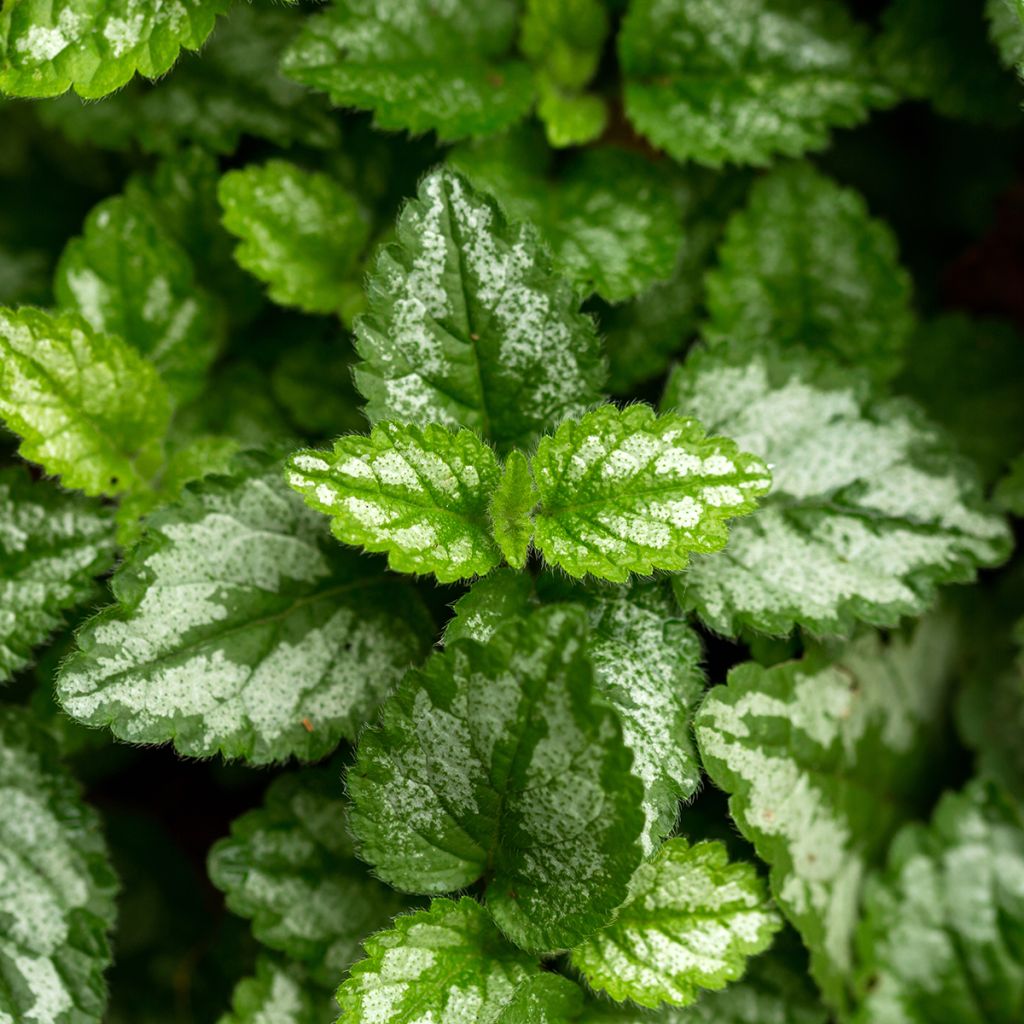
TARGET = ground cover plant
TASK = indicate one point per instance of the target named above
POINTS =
(508, 512)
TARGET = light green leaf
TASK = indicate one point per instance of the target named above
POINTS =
(570, 119)
(941, 937)
(1006, 29)
(544, 999)
(279, 993)
(623, 491)
(57, 891)
(468, 326)
(421, 495)
(95, 48)
(289, 867)
(126, 276)
(868, 510)
(88, 407)
(1010, 492)
(805, 264)
(241, 627)
(741, 81)
(52, 546)
(692, 920)
(500, 761)
(823, 760)
(510, 509)
(418, 65)
(301, 233)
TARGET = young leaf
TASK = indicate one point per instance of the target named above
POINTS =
(941, 937)
(95, 48)
(744, 80)
(500, 761)
(510, 510)
(467, 324)
(543, 999)
(241, 627)
(279, 993)
(804, 264)
(570, 119)
(52, 546)
(421, 495)
(824, 760)
(692, 920)
(1006, 29)
(868, 511)
(417, 65)
(301, 233)
(88, 407)
(623, 491)
(57, 898)
(289, 867)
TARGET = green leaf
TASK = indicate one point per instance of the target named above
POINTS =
(468, 325)
(421, 495)
(823, 760)
(744, 80)
(88, 407)
(57, 900)
(570, 119)
(623, 491)
(941, 937)
(289, 867)
(301, 233)
(565, 37)
(609, 215)
(868, 512)
(497, 598)
(242, 628)
(433, 965)
(805, 264)
(1010, 492)
(510, 508)
(543, 999)
(500, 761)
(126, 276)
(417, 65)
(279, 993)
(52, 546)
(1006, 29)
(95, 48)
(692, 920)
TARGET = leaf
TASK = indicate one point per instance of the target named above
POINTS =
(823, 759)
(609, 215)
(468, 326)
(301, 233)
(126, 276)
(241, 628)
(279, 992)
(1010, 492)
(421, 495)
(565, 37)
(435, 965)
(805, 264)
(543, 999)
(1006, 29)
(289, 867)
(95, 48)
(742, 81)
(416, 65)
(868, 511)
(495, 599)
(953, 890)
(692, 920)
(510, 510)
(57, 897)
(88, 407)
(52, 546)
(500, 761)
(623, 491)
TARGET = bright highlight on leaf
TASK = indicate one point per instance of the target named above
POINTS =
(279, 992)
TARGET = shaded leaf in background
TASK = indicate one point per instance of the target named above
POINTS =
(279, 992)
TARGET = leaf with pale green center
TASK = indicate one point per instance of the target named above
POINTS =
(469, 326)
(691, 922)
(942, 932)
(420, 65)
(868, 513)
(823, 759)
(743, 80)
(126, 276)
(804, 264)
(300, 232)
(623, 490)
(89, 408)
(445, 964)
(93, 47)
(53, 545)
(421, 495)
(279, 992)
(57, 888)
(241, 627)
(289, 867)
(501, 761)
